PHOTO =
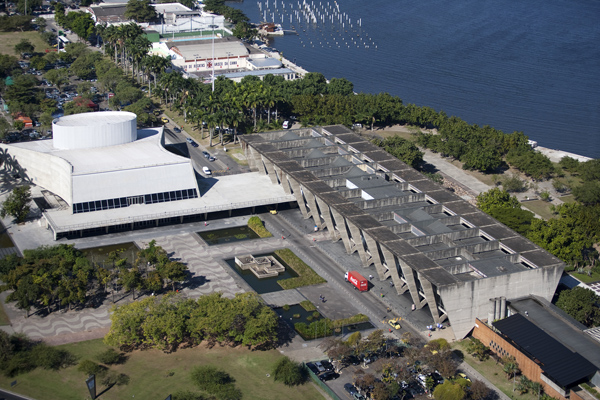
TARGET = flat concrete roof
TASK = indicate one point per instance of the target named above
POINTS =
(323, 159)
(217, 194)
(95, 118)
(203, 49)
(142, 153)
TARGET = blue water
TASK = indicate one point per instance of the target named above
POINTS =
(532, 66)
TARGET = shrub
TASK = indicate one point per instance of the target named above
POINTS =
(545, 195)
(19, 363)
(308, 305)
(296, 316)
(309, 318)
(110, 357)
(316, 314)
(289, 372)
(257, 226)
(112, 378)
(89, 367)
(286, 307)
(187, 395)
(210, 378)
(50, 357)
(513, 184)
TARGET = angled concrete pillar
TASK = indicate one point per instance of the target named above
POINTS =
(299, 197)
(314, 210)
(430, 298)
(375, 258)
(253, 158)
(326, 213)
(342, 229)
(285, 184)
(355, 232)
(409, 275)
(270, 170)
(390, 261)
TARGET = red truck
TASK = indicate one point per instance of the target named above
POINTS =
(357, 280)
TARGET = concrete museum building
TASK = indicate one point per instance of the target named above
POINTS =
(101, 161)
(435, 247)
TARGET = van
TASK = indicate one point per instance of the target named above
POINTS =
(286, 124)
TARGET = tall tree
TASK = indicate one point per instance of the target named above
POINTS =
(17, 203)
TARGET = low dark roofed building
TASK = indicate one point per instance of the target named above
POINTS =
(560, 364)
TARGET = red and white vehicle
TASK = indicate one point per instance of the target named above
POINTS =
(357, 280)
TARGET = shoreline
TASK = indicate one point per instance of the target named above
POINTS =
(557, 155)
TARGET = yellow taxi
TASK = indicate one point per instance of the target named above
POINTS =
(395, 323)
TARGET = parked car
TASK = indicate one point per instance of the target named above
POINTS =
(327, 365)
(328, 376)
(211, 159)
(348, 387)
(313, 368)
(205, 154)
(164, 120)
(352, 359)
(194, 144)
(189, 140)
(286, 125)
(176, 130)
(320, 367)
(206, 170)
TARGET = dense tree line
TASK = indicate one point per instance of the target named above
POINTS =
(170, 321)
(62, 276)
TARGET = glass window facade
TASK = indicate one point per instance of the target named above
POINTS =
(109, 204)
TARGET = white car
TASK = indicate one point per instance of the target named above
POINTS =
(286, 125)
(206, 170)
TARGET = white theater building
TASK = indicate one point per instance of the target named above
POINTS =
(100, 174)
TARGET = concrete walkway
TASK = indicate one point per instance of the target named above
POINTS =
(447, 169)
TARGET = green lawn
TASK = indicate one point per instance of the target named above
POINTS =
(3, 317)
(540, 207)
(585, 278)
(493, 372)
(568, 199)
(8, 40)
(149, 372)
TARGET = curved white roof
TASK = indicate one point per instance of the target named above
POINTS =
(95, 118)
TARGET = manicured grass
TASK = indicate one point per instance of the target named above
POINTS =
(306, 275)
(540, 207)
(8, 40)
(493, 372)
(149, 372)
(567, 199)
(3, 317)
(585, 278)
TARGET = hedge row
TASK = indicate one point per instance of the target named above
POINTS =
(257, 226)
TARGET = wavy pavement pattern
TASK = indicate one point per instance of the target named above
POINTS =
(201, 264)
(60, 323)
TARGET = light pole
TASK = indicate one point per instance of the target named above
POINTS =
(213, 26)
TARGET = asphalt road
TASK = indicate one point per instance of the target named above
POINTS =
(223, 165)
(5, 395)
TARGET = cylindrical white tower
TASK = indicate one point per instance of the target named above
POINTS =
(98, 129)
